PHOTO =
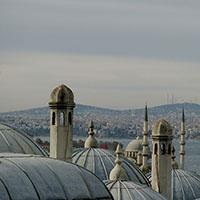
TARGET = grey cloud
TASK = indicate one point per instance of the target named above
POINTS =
(156, 29)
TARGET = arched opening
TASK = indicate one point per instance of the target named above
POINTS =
(169, 149)
(163, 149)
(156, 148)
(70, 118)
(62, 119)
(53, 118)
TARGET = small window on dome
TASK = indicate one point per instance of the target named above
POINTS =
(53, 118)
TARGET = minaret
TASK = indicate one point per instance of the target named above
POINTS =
(118, 173)
(182, 141)
(161, 158)
(144, 166)
(91, 141)
(61, 123)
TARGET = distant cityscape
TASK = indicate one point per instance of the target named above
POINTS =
(108, 123)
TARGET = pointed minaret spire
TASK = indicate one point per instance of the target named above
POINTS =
(183, 115)
(91, 141)
(118, 173)
(146, 113)
(182, 141)
(144, 166)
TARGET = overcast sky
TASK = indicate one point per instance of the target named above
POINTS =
(112, 53)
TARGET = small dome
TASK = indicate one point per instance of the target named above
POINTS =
(162, 128)
(63, 95)
(101, 162)
(34, 177)
(135, 145)
(126, 190)
(13, 141)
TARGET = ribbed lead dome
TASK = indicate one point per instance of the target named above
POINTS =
(15, 142)
(126, 190)
(185, 184)
(101, 162)
(33, 177)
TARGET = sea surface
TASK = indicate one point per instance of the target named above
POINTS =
(192, 149)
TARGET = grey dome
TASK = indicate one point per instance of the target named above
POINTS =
(126, 190)
(13, 141)
(135, 145)
(101, 162)
(185, 184)
(35, 177)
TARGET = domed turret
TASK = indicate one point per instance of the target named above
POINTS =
(161, 158)
(162, 129)
(62, 95)
(61, 123)
(91, 141)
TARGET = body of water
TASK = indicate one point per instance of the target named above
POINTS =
(192, 149)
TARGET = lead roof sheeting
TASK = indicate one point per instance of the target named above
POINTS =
(15, 142)
(35, 177)
(126, 190)
(101, 162)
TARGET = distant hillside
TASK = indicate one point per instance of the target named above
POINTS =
(84, 109)
(108, 122)
(79, 109)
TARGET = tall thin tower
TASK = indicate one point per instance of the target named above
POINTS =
(144, 166)
(182, 141)
(61, 123)
(161, 158)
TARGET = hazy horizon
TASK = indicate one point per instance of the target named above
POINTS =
(111, 53)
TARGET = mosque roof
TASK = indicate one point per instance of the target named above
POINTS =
(14, 141)
(24, 176)
(127, 190)
(101, 162)
(185, 184)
